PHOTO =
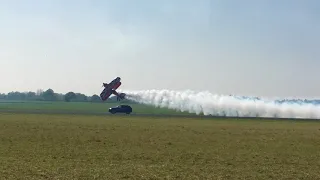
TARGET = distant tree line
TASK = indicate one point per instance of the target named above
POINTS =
(50, 95)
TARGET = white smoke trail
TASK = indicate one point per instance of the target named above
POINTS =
(222, 105)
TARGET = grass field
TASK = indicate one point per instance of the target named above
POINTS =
(34, 146)
(80, 107)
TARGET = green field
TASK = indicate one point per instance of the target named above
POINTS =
(43, 146)
(84, 107)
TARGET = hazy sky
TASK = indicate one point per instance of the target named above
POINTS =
(257, 47)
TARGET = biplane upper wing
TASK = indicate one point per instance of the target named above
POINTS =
(105, 94)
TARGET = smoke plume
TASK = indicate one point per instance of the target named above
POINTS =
(222, 105)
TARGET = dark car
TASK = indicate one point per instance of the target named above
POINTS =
(121, 109)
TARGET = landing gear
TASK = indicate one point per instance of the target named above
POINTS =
(121, 96)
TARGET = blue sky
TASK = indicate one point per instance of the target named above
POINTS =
(260, 48)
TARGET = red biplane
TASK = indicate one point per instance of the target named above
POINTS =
(111, 89)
